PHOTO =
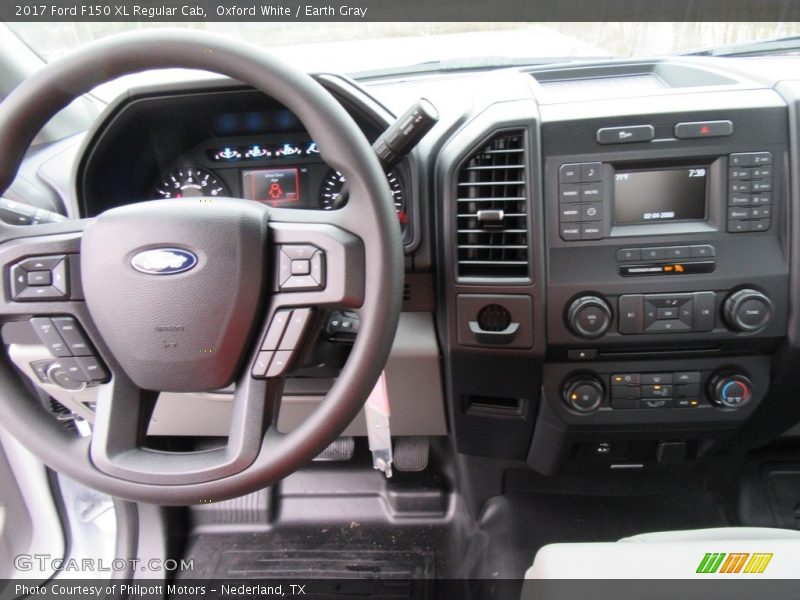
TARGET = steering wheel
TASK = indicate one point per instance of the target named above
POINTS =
(191, 295)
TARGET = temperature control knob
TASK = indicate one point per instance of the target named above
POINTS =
(747, 310)
(731, 390)
(589, 316)
(584, 393)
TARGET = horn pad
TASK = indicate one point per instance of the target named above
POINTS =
(171, 325)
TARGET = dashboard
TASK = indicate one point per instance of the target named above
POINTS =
(604, 254)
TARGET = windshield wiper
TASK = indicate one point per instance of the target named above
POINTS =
(478, 63)
(782, 45)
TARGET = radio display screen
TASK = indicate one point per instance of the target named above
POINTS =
(660, 195)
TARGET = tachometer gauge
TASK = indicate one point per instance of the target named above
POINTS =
(189, 182)
(331, 195)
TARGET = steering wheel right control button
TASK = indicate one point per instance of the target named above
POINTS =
(730, 390)
(66, 375)
(301, 267)
(284, 335)
(584, 393)
(40, 278)
(747, 311)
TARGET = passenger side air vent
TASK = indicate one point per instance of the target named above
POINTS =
(492, 209)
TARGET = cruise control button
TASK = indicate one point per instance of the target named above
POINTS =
(295, 329)
(73, 336)
(50, 337)
(262, 364)
(92, 368)
(280, 363)
(276, 329)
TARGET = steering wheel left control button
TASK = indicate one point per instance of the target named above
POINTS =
(50, 337)
(74, 337)
(40, 278)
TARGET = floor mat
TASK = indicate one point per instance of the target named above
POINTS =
(516, 525)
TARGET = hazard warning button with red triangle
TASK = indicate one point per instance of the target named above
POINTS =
(701, 129)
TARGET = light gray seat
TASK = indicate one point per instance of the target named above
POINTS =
(722, 552)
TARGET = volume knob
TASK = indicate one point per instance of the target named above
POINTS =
(747, 310)
(589, 316)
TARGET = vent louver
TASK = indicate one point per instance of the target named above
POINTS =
(492, 209)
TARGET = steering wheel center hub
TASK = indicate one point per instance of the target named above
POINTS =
(174, 286)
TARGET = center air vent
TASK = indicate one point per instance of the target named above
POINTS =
(492, 209)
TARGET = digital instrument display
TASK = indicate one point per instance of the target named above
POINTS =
(644, 196)
(271, 186)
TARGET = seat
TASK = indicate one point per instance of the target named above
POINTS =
(722, 552)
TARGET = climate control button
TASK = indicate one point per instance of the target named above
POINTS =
(584, 393)
(730, 390)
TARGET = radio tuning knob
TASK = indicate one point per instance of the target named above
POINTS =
(589, 316)
(747, 310)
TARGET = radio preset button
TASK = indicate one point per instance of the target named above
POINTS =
(678, 252)
(629, 254)
(761, 212)
(750, 159)
(761, 199)
(761, 185)
(761, 172)
(653, 253)
(739, 187)
(703, 251)
(741, 173)
(739, 200)
(738, 213)
(736, 226)
(760, 225)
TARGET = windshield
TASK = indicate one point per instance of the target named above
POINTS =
(374, 46)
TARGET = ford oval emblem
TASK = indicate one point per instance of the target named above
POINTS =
(163, 261)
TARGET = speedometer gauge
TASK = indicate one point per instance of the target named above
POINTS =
(331, 193)
(189, 182)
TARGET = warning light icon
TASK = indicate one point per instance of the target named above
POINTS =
(679, 268)
(704, 130)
